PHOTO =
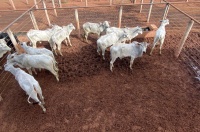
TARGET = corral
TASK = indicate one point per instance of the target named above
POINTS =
(161, 93)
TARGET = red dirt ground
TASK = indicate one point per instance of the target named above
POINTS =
(159, 94)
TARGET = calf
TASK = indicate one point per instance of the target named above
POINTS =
(115, 29)
(34, 61)
(28, 84)
(131, 32)
(41, 35)
(108, 40)
(59, 36)
(133, 50)
(160, 35)
(36, 51)
(96, 28)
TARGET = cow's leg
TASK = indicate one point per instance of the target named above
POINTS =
(98, 49)
(42, 98)
(29, 71)
(99, 34)
(103, 53)
(111, 63)
(54, 49)
(55, 74)
(65, 42)
(69, 41)
(57, 77)
(33, 69)
(59, 49)
(43, 108)
(33, 95)
(38, 90)
(34, 44)
(86, 36)
(154, 44)
(131, 62)
(161, 44)
(55, 52)
(53, 71)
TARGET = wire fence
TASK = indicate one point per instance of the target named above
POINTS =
(26, 4)
(132, 16)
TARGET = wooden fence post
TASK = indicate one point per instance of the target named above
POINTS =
(46, 13)
(53, 3)
(33, 20)
(12, 4)
(184, 37)
(166, 11)
(60, 4)
(141, 2)
(120, 16)
(111, 2)
(150, 9)
(86, 3)
(77, 23)
(13, 40)
(27, 2)
(35, 2)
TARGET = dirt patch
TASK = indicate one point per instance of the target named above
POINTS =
(158, 94)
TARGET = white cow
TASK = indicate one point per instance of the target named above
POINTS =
(41, 35)
(36, 51)
(96, 28)
(160, 35)
(34, 61)
(133, 50)
(59, 36)
(115, 29)
(28, 84)
(108, 40)
(131, 32)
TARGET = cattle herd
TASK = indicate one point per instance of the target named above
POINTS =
(118, 39)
